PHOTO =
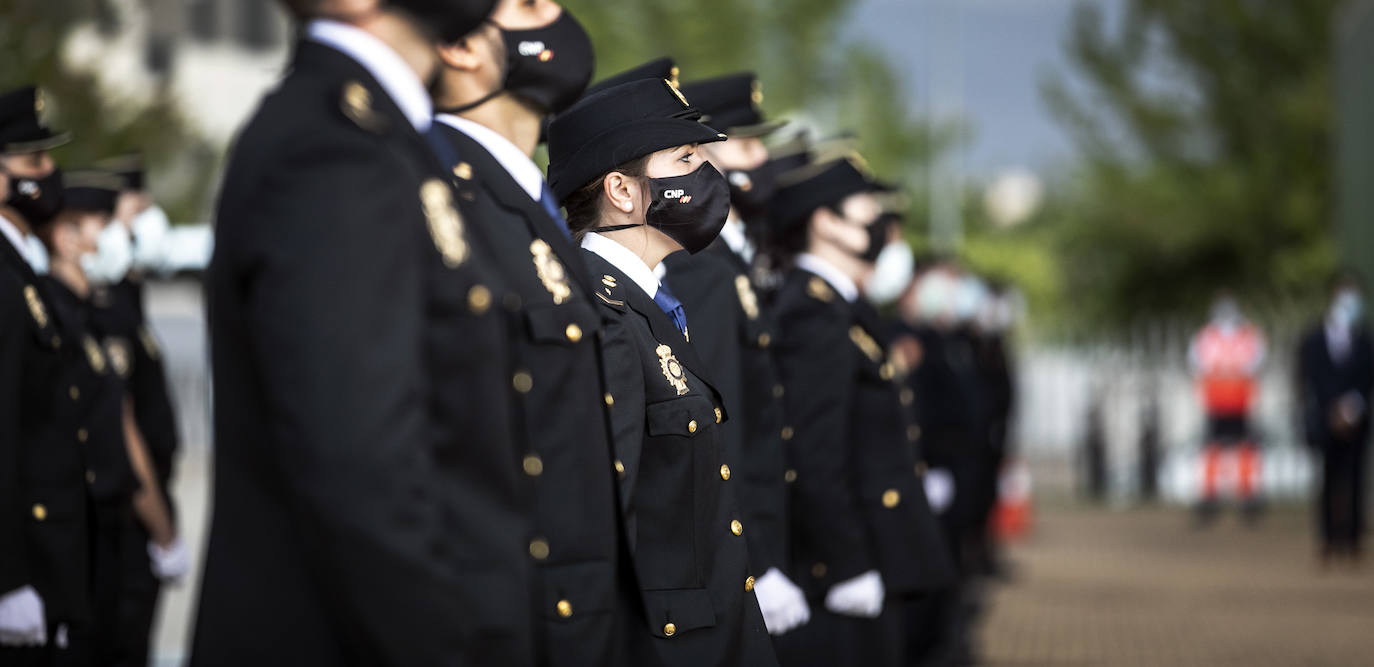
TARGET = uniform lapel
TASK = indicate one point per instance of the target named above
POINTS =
(508, 194)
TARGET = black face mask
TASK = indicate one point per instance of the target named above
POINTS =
(450, 20)
(38, 200)
(690, 209)
(877, 238)
(549, 66)
(750, 190)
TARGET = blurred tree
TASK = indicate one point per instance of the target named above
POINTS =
(32, 34)
(1205, 133)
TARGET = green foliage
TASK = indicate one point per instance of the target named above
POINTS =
(31, 34)
(1206, 144)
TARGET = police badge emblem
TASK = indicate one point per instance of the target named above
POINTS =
(445, 224)
(149, 343)
(550, 271)
(672, 369)
(93, 355)
(117, 350)
(747, 299)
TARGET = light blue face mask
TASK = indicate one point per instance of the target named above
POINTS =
(1347, 308)
(891, 273)
(113, 255)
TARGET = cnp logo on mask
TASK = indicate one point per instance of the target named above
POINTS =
(680, 195)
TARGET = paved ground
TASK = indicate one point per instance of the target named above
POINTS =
(1141, 587)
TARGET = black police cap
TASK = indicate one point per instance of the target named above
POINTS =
(94, 191)
(128, 167)
(617, 125)
(20, 129)
(659, 68)
(731, 103)
(804, 190)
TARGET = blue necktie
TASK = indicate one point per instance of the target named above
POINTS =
(441, 147)
(550, 204)
(672, 308)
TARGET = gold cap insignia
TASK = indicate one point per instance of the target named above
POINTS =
(357, 106)
(39, 102)
(93, 355)
(672, 369)
(40, 314)
(819, 290)
(673, 76)
(550, 271)
(866, 344)
(445, 224)
(747, 299)
(677, 92)
(756, 93)
(117, 350)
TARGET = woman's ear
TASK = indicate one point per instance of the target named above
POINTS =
(621, 190)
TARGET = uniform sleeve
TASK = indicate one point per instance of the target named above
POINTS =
(13, 568)
(818, 367)
(329, 256)
(624, 382)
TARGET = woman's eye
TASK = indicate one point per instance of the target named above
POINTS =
(687, 157)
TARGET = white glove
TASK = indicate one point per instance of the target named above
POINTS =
(172, 562)
(782, 603)
(21, 618)
(939, 489)
(861, 596)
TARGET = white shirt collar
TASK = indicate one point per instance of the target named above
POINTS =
(29, 246)
(733, 235)
(519, 165)
(842, 283)
(622, 258)
(385, 65)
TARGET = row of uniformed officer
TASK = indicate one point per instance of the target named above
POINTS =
(86, 518)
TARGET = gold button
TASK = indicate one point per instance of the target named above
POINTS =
(620, 469)
(891, 497)
(789, 476)
(539, 548)
(748, 584)
(573, 332)
(736, 527)
(907, 397)
(724, 471)
(765, 340)
(718, 415)
(778, 391)
(523, 382)
(818, 570)
(669, 629)
(74, 392)
(692, 426)
(610, 400)
(479, 299)
(787, 433)
(40, 512)
(90, 477)
(564, 608)
(533, 465)
(82, 434)
(885, 371)
(913, 433)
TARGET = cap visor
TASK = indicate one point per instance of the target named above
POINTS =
(757, 131)
(44, 144)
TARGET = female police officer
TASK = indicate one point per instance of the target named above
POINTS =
(624, 163)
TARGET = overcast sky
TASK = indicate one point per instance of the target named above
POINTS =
(991, 55)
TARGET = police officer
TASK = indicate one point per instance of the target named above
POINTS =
(492, 100)
(44, 524)
(369, 507)
(626, 164)
(863, 536)
(734, 334)
(122, 484)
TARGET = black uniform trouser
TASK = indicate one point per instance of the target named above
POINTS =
(1341, 506)
(137, 600)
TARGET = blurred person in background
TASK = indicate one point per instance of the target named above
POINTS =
(45, 523)
(1336, 376)
(734, 332)
(368, 508)
(1225, 357)
(992, 358)
(866, 544)
(134, 534)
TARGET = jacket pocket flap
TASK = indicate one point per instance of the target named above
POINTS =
(673, 612)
